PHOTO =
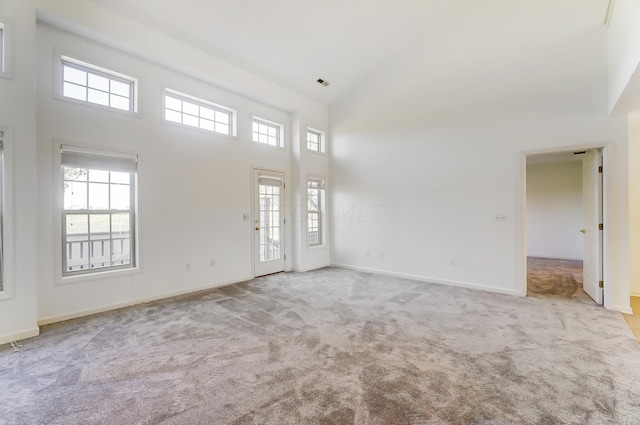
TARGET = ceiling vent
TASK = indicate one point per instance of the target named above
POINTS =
(322, 82)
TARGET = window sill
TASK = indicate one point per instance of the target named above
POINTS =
(107, 274)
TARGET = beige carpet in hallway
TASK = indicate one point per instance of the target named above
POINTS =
(551, 278)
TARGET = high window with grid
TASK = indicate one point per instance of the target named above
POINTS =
(198, 113)
(267, 132)
(315, 210)
(315, 140)
(89, 83)
(98, 216)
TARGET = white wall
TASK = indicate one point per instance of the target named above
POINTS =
(427, 153)
(17, 118)
(624, 49)
(554, 210)
(194, 186)
(634, 202)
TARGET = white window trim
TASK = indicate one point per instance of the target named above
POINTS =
(8, 291)
(322, 223)
(62, 276)
(58, 83)
(281, 140)
(179, 94)
(323, 141)
(6, 61)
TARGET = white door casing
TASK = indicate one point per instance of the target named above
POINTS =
(268, 221)
(592, 207)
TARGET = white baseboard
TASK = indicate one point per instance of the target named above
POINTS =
(17, 336)
(308, 269)
(551, 257)
(102, 309)
(635, 294)
(467, 285)
(622, 309)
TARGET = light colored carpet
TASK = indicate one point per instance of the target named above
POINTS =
(331, 346)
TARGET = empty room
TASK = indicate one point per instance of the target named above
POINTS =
(339, 212)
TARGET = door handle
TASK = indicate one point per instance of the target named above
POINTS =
(257, 228)
(583, 230)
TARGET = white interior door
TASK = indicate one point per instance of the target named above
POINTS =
(268, 218)
(592, 206)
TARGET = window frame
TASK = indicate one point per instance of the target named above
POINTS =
(321, 141)
(132, 211)
(97, 70)
(321, 187)
(270, 124)
(6, 48)
(200, 103)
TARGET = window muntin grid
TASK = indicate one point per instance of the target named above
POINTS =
(198, 114)
(267, 133)
(315, 192)
(269, 222)
(91, 85)
(98, 219)
(315, 140)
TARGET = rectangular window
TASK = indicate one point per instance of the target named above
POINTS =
(98, 217)
(315, 211)
(315, 140)
(267, 132)
(198, 113)
(92, 84)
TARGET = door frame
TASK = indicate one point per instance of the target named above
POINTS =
(285, 215)
(607, 187)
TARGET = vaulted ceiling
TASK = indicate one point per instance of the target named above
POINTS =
(345, 42)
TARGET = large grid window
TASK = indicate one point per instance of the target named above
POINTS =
(192, 112)
(315, 208)
(89, 83)
(315, 140)
(98, 216)
(267, 132)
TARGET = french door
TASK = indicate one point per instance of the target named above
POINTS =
(268, 220)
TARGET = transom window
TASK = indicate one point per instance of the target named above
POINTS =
(267, 132)
(315, 210)
(98, 217)
(193, 112)
(89, 83)
(315, 140)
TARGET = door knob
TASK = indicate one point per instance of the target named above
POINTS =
(583, 230)
(257, 228)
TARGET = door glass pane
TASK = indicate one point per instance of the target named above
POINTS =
(269, 223)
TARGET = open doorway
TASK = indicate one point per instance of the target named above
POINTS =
(564, 195)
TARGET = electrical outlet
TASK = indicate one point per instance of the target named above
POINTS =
(501, 217)
(367, 253)
(452, 262)
(212, 263)
(187, 267)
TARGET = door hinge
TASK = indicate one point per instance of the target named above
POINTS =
(601, 284)
(284, 221)
(285, 257)
(600, 226)
(600, 169)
